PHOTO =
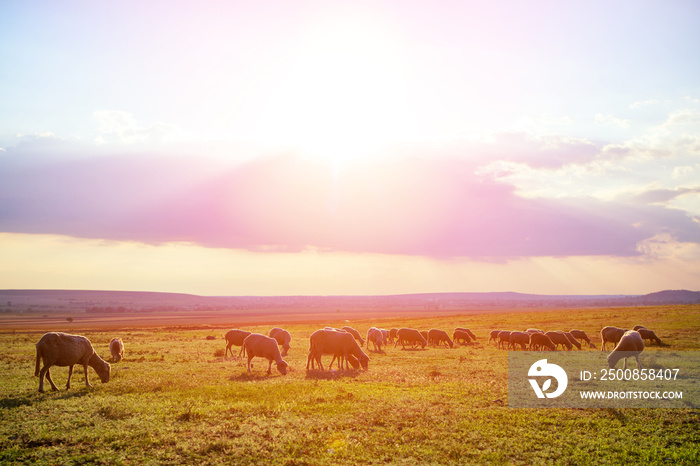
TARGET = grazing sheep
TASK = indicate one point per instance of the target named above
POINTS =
(649, 335)
(610, 334)
(494, 336)
(410, 335)
(539, 340)
(573, 340)
(468, 332)
(630, 345)
(519, 338)
(376, 337)
(436, 336)
(461, 337)
(116, 348)
(534, 330)
(63, 349)
(235, 337)
(385, 335)
(424, 334)
(341, 345)
(558, 338)
(283, 338)
(637, 327)
(503, 338)
(259, 345)
(355, 334)
(581, 335)
(392, 335)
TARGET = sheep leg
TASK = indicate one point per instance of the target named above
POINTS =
(46, 370)
(70, 374)
(249, 359)
(87, 381)
(269, 367)
(638, 365)
(228, 348)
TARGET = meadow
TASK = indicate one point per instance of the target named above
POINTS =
(175, 399)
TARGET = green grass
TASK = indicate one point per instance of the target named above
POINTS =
(176, 400)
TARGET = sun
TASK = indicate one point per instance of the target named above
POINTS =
(341, 92)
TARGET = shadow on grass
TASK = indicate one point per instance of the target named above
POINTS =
(254, 376)
(315, 374)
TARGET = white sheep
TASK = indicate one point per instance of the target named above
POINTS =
(468, 332)
(503, 338)
(341, 345)
(610, 334)
(376, 337)
(235, 337)
(461, 337)
(494, 336)
(519, 338)
(259, 345)
(630, 345)
(581, 335)
(355, 334)
(572, 340)
(534, 330)
(410, 335)
(649, 335)
(436, 336)
(63, 349)
(116, 348)
(539, 341)
(283, 338)
(559, 338)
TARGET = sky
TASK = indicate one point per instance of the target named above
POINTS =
(348, 148)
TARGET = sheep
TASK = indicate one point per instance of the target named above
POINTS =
(468, 332)
(461, 337)
(259, 345)
(355, 334)
(283, 338)
(610, 334)
(341, 345)
(410, 335)
(385, 335)
(558, 338)
(540, 340)
(649, 335)
(581, 335)
(534, 330)
(436, 336)
(637, 327)
(424, 334)
(572, 340)
(494, 336)
(519, 338)
(631, 344)
(62, 349)
(116, 348)
(235, 337)
(503, 337)
(392, 335)
(376, 337)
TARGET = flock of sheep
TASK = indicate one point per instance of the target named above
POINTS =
(344, 344)
(626, 343)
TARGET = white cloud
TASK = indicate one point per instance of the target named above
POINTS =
(121, 127)
(601, 119)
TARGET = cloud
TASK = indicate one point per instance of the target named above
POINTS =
(121, 127)
(601, 119)
(429, 204)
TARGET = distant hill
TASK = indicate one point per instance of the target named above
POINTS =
(139, 301)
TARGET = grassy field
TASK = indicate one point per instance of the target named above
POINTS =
(175, 399)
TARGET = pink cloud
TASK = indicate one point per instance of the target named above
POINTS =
(432, 205)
